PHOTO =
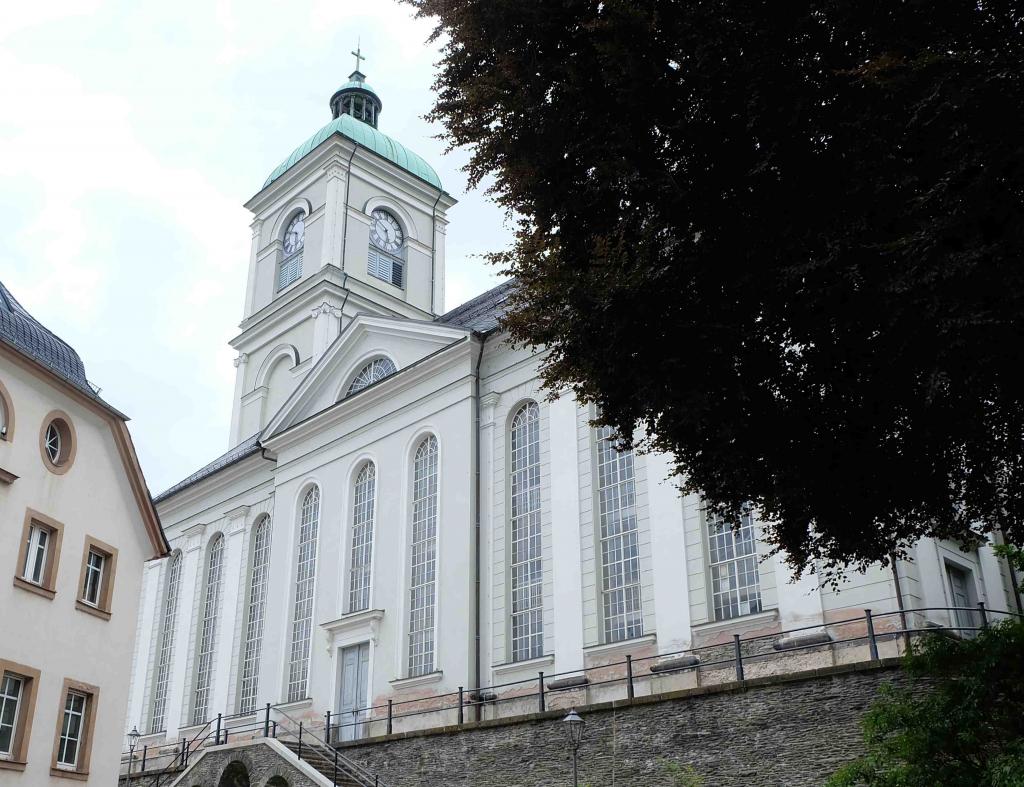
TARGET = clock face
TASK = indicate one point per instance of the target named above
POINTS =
(295, 235)
(385, 231)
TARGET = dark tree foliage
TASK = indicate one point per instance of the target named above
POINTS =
(785, 238)
(967, 731)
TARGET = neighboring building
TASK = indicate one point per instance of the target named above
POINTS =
(77, 527)
(404, 511)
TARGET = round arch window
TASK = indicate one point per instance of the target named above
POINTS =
(57, 442)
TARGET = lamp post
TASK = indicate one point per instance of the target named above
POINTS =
(573, 725)
(133, 741)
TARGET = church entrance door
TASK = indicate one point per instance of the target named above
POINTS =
(355, 667)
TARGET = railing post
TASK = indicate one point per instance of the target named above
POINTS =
(144, 748)
(872, 642)
(266, 723)
(273, 728)
(335, 779)
(739, 657)
(461, 707)
(216, 739)
(184, 752)
(391, 714)
(629, 676)
(327, 727)
(984, 614)
(540, 694)
(299, 754)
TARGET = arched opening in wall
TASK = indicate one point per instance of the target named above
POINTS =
(235, 775)
(277, 781)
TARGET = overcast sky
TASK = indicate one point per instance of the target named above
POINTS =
(130, 135)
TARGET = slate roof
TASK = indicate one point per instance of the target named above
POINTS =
(483, 313)
(237, 454)
(30, 337)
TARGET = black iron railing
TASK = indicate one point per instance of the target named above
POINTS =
(717, 663)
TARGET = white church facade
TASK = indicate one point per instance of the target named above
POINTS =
(405, 512)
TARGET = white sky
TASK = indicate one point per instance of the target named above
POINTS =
(130, 135)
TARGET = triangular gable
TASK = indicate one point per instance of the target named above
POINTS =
(366, 337)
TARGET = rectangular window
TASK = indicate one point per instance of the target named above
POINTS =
(619, 536)
(526, 559)
(386, 267)
(963, 599)
(289, 270)
(11, 691)
(35, 554)
(38, 554)
(423, 568)
(735, 586)
(94, 565)
(71, 731)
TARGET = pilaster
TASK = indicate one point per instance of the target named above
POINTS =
(668, 556)
(334, 206)
(326, 328)
(240, 363)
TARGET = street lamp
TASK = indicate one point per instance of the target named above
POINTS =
(133, 741)
(573, 725)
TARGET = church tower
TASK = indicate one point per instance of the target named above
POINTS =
(352, 222)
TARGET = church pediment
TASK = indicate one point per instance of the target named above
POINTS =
(368, 350)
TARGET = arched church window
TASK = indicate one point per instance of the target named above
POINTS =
(361, 555)
(305, 580)
(375, 370)
(423, 559)
(385, 260)
(527, 566)
(260, 568)
(208, 632)
(165, 653)
(293, 241)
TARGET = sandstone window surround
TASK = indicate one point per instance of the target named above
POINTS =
(6, 414)
(96, 580)
(58, 442)
(76, 720)
(18, 687)
(38, 558)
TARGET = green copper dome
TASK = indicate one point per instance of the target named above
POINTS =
(355, 107)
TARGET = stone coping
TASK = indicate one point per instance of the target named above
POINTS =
(891, 663)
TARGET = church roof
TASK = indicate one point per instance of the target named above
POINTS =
(237, 454)
(368, 137)
(482, 313)
(30, 337)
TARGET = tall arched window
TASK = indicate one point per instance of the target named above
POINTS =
(620, 550)
(527, 568)
(208, 632)
(423, 559)
(305, 579)
(255, 615)
(385, 260)
(293, 242)
(165, 651)
(375, 370)
(362, 539)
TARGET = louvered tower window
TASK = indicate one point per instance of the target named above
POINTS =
(165, 653)
(293, 242)
(255, 615)
(361, 555)
(423, 558)
(208, 632)
(305, 580)
(527, 567)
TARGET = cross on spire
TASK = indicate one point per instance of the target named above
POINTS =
(359, 55)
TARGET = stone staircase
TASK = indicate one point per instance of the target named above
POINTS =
(318, 759)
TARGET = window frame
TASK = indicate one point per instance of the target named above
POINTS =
(68, 442)
(600, 436)
(511, 564)
(257, 588)
(47, 588)
(206, 635)
(102, 608)
(80, 769)
(6, 414)
(368, 367)
(17, 758)
(428, 521)
(165, 646)
(364, 518)
(706, 521)
(300, 651)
